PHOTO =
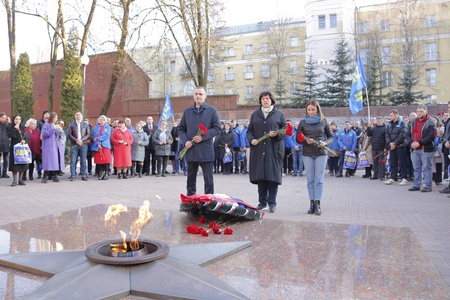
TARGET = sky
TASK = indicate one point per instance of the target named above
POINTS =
(32, 32)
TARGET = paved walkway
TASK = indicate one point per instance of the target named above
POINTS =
(346, 200)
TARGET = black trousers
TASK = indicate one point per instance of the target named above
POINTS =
(207, 170)
(267, 191)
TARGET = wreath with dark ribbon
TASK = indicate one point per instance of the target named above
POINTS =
(221, 204)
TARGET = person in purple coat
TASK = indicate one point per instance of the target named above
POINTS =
(52, 148)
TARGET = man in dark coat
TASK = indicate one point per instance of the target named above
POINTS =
(395, 141)
(379, 148)
(266, 156)
(150, 156)
(4, 143)
(202, 152)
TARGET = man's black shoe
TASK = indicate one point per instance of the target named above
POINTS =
(261, 206)
(426, 190)
(413, 189)
(445, 191)
(373, 178)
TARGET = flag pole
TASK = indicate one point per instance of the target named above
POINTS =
(368, 106)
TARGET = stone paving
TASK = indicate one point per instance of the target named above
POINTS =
(346, 201)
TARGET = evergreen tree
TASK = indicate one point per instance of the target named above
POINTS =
(71, 83)
(373, 79)
(309, 84)
(338, 80)
(406, 95)
(22, 93)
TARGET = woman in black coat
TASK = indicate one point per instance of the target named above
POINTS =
(226, 142)
(266, 156)
(17, 135)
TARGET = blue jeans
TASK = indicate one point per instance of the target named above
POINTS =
(176, 162)
(315, 172)
(76, 150)
(297, 161)
(422, 161)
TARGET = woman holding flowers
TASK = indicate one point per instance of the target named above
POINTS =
(18, 135)
(52, 135)
(266, 136)
(315, 134)
(122, 139)
(101, 146)
(162, 140)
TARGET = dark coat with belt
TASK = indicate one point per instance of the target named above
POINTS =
(225, 138)
(208, 116)
(318, 132)
(16, 137)
(266, 158)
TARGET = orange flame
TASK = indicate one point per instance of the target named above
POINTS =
(120, 247)
(135, 229)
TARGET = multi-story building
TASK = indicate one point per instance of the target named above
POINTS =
(248, 59)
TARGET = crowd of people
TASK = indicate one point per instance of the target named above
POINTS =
(403, 150)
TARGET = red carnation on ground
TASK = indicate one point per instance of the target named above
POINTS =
(228, 231)
(202, 221)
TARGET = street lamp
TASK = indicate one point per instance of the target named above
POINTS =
(84, 63)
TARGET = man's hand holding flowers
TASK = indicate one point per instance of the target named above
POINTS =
(198, 138)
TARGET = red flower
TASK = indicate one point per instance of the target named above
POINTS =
(202, 220)
(204, 232)
(216, 229)
(289, 129)
(212, 224)
(300, 137)
(203, 129)
(193, 229)
(228, 231)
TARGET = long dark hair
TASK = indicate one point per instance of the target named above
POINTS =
(315, 103)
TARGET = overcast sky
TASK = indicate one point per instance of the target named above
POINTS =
(32, 37)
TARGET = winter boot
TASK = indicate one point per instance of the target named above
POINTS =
(317, 209)
(311, 207)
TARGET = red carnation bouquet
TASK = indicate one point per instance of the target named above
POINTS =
(288, 130)
(301, 138)
(202, 131)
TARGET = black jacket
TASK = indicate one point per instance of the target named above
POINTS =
(396, 132)
(4, 139)
(378, 134)
(318, 132)
(428, 134)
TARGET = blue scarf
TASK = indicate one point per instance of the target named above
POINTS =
(312, 120)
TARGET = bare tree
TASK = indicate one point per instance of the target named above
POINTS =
(192, 20)
(11, 19)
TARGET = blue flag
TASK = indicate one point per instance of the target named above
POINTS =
(167, 111)
(355, 101)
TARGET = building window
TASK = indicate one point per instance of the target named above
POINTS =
(171, 87)
(431, 99)
(230, 51)
(188, 89)
(430, 21)
(333, 21)
(293, 67)
(363, 27)
(265, 88)
(248, 72)
(407, 54)
(385, 25)
(386, 55)
(230, 74)
(211, 54)
(293, 41)
(210, 91)
(386, 79)
(249, 49)
(211, 75)
(430, 51)
(249, 93)
(364, 53)
(431, 77)
(229, 91)
(265, 70)
(264, 47)
(293, 88)
(322, 22)
(172, 67)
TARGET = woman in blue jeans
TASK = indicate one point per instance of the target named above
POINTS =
(315, 134)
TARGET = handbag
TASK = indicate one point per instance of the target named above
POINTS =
(349, 160)
(22, 154)
(362, 159)
(228, 157)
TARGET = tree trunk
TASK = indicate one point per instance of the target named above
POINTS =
(11, 18)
